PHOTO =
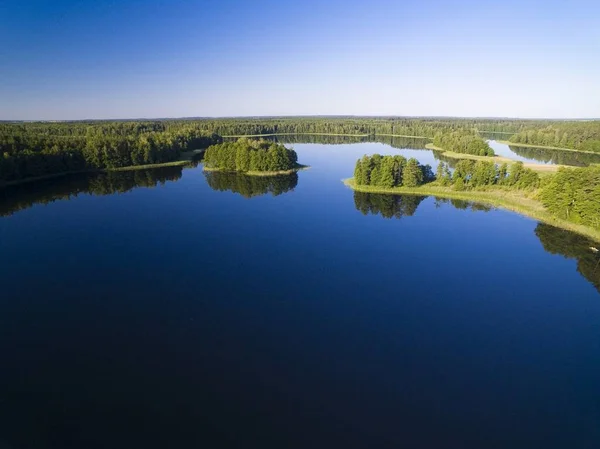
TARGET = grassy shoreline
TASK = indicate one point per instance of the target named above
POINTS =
(540, 168)
(513, 200)
(262, 173)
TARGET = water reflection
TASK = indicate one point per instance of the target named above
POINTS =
(388, 206)
(558, 157)
(250, 186)
(16, 198)
(554, 240)
(572, 246)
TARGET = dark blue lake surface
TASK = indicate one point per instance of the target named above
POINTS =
(188, 315)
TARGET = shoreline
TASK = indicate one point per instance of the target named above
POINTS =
(179, 163)
(540, 168)
(185, 158)
(512, 200)
(296, 169)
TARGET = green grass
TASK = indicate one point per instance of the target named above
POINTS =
(521, 202)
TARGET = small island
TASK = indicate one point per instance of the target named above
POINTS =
(567, 199)
(252, 157)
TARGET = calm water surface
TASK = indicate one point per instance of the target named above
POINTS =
(228, 312)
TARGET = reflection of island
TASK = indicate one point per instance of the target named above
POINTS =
(554, 240)
(249, 186)
(24, 196)
(572, 246)
(388, 206)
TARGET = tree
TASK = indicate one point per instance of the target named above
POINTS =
(412, 176)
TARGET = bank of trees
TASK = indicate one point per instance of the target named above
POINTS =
(245, 155)
(573, 194)
(391, 171)
(470, 174)
(579, 135)
(32, 151)
(463, 141)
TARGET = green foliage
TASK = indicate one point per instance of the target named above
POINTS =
(463, 141)
(32, 150)
(391, 171)
(246, 155)
(580, 135)
(413, 175)
(574, 195)
(470, 174)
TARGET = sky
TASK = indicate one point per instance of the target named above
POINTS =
(67, 59)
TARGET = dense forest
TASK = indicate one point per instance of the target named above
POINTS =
(396, 171)
(573, 194)
(580, 135)
(41, 148)
(470, 174)
(33, 150)
(391, 171)
(250, 186)
(245, 155)
(463, 141)
(24, 196)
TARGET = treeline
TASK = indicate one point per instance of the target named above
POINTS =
(245, 155)
(579, 135)
(391, 171)
(470, 174)
(463, 142)
(573, 194)
(251, 186)
(27, 153)
(23, 196)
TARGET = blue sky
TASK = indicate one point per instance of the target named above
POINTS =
(69, 59)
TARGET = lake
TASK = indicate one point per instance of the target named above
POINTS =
(174, 308)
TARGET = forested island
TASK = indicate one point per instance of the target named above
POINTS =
(252, 157)
(569, 198)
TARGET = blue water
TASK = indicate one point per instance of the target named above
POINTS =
(182, 316)
(501, 149)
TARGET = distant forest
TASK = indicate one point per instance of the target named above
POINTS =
(33, 149)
